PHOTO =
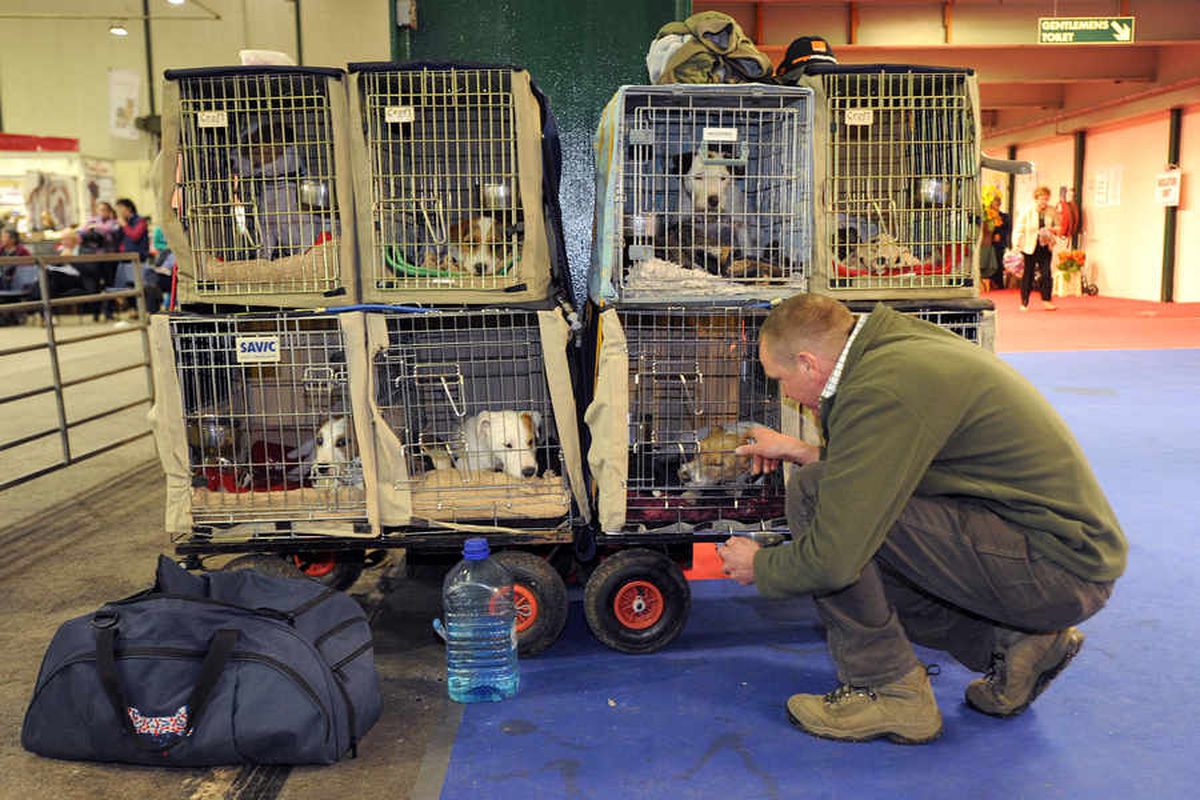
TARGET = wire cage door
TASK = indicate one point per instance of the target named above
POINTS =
(901, 197)
(445, 197)
(256, 174)
(269, 419)
(466, 395)
(696, 388)
(715, 192)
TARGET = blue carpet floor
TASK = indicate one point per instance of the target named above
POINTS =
(704, 718)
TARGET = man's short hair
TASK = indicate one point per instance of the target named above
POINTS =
(806, 322)
(1042, 190)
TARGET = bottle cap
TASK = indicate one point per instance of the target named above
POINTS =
(475, 549)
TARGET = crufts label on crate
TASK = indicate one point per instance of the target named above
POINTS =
(399, 114)
(720, 134)
(212, 119)
(859, 116)
(257, 349)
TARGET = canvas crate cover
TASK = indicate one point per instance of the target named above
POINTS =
(170, 434)
(533, 280)
(607, 417)
(605, 281)
(395, 494)
(189, 272)
(823, 256)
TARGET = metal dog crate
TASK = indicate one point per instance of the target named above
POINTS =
(974, 319)
(261, 212)
(478, 407)
(703, 191)
(900, 163)
(450, 163)
(694, 387)
(255, 422)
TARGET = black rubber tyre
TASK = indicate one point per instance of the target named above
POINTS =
(541, 600)
(339, 569)
(637, 601)
(267, 564)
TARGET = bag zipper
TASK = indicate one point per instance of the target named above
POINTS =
(179, 652)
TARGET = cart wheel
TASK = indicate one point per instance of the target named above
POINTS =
(637, 601)
(267, 564)
(540, 597)
(336, 569)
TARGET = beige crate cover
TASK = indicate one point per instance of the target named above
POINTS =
(395, 495)
(533, 271)
(170, 435)
(607, 417)
(181, 247)
(822, 252)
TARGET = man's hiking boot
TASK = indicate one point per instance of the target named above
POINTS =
(903, 711)
(1022, 667)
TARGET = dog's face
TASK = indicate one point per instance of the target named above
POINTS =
(509, 439)
(331, 449)
(886, 253)
(707, 187)
(476, 245)
(715, 462)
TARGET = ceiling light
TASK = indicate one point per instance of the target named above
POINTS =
(118, 29)
(176, 2)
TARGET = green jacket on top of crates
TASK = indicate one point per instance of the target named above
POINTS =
(919, 411)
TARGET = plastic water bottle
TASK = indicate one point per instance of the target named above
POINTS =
(481, 628)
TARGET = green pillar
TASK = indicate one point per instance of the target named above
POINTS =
(578, 51)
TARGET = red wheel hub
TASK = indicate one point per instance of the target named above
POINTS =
(525, 604)
(638, 605)
(317, 565)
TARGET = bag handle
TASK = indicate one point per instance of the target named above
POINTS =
(219, 650)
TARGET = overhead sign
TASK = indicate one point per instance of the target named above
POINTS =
(1085, 30)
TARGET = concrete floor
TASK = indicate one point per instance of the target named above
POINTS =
(91, 532)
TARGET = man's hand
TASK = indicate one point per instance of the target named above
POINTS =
(771, 447)
(738, 554)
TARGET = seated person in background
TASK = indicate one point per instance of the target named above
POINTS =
(69, 243)
(14, 277)
(10, 243)
(100, 234)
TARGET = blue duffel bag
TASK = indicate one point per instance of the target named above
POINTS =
(199, 670)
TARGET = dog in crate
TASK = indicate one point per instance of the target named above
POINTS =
(707, 230)
(281, 207)
(501, 441)
(333, 460)
(716, 464)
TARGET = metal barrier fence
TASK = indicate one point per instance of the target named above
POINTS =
(46, 304)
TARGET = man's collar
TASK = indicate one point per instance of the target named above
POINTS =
(835, 376)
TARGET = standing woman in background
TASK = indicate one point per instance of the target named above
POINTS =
(1034, 236)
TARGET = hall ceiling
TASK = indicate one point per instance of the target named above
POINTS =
(1026, 89)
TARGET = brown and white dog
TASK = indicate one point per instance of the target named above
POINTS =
(477, 245)
(716, 463)
(333, 459)
(501, 441)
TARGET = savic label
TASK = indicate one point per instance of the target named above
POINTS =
(859, 116)
(720, 134)
(257, 349)
(212, 119)
(399, 114)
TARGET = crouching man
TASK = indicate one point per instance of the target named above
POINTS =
(950, 506)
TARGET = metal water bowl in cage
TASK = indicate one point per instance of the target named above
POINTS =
(496, 196)
(933, 192)
(314, 194)
(641, 226)
(214, 433)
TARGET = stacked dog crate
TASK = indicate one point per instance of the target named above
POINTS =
(261, 414)
(703, 216)
(470, 381)
(899, 208)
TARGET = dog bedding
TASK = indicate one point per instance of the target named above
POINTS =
(451, 495)
(315, 265)
(656, 275)
(205, 500)
(653, 510)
